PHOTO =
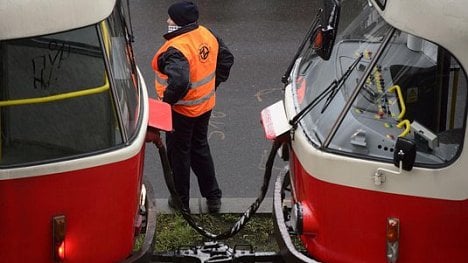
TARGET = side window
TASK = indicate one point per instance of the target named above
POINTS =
(55, 98)
(123, 70)
(418, 91)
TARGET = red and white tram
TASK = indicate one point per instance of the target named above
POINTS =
(73, 120)
(374, 112)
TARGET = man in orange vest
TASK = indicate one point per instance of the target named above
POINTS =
(189, 67)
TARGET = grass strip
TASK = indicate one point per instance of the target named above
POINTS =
(172, 231)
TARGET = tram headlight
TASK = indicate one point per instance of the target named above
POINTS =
(58, 238)
(303, 220)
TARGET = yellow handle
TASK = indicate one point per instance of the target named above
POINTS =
(62, 96)
(400, 99)
(407, 125)
(68, 95)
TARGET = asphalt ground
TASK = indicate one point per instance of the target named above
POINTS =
(263, 35)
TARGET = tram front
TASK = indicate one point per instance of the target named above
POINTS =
(74, 114)
(375, 107)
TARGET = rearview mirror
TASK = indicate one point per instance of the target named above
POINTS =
(323, 38)
(405, 152)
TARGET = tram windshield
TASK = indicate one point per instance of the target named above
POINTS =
(58, 97)
(380, 84)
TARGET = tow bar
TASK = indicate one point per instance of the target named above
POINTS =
(212, 252)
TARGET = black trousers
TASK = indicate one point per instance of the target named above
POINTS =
(187, 147)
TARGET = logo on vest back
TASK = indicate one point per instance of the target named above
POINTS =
(203, 52)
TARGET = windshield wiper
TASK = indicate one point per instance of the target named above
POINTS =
(328, 93)
(340, 82)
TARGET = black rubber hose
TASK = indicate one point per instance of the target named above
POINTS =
(169, 178)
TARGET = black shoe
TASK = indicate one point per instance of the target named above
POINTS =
(214, 205)
(173, 205)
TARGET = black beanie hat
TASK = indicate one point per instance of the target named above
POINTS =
(183, 13)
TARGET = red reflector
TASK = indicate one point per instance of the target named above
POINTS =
(393, 237)
(393, 230)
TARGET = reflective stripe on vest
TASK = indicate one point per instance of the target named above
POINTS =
(197, 101)
(193, 85)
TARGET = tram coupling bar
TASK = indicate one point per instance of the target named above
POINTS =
(216, 252)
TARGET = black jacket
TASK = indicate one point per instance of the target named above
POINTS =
(174, 64)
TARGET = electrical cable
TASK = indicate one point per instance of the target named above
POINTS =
(242, 221)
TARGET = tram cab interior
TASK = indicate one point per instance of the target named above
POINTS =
(415, 89)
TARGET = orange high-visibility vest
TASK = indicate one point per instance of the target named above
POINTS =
(200, 48)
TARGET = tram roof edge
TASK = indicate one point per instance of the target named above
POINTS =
(26, 18)
(442, 22)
